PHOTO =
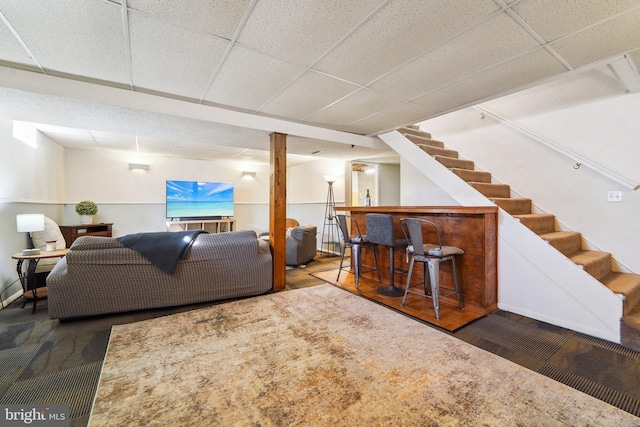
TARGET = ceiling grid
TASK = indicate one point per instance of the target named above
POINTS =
(363, 66)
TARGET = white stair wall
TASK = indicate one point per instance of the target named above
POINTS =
(534, 279)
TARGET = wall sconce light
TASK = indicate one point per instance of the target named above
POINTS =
(248, 174)
(138, 166)
(28, 223)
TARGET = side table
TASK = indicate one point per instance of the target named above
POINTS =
(28, 278)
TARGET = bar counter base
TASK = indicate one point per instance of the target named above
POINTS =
(390, 291)
(451, 316)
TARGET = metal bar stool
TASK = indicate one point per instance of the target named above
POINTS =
(356, 242)
(380, 232)
(431, 255)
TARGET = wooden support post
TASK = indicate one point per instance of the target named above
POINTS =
(278, 209)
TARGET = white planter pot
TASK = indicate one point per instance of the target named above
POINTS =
(86, 219)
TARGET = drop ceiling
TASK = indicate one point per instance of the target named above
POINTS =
(359, 66)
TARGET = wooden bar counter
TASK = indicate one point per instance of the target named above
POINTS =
(473, 229)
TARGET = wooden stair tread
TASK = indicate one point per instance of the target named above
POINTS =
(627, 284)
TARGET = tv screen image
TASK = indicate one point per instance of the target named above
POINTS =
(199, 199)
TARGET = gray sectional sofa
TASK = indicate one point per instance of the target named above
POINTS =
(100, 275)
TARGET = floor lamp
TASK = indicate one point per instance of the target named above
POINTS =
(330, 229)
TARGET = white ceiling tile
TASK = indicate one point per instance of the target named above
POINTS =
(116, 144)
(11, 50)
(635, 57)
(493, 41)
(210, 147)
(354, 107)
(553, 19)
(601, 42)
(253, 156)
(399, 32)
(72, 36)
(198, 154)
(302, 30)
(389, 119)
(445, 48)
(170, 59)
(491, 83)
(308, 94)
(156, 148)
(69, 138)
(239, 85)
(220, 17)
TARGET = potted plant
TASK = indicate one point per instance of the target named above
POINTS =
(86, 209)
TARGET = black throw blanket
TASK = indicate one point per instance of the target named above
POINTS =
(163, 249)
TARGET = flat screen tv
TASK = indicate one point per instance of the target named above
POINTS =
(199, 200)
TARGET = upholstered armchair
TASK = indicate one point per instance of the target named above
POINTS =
(301, 244)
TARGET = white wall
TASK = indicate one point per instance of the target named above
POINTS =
(51, 180)
(308, 191)
(134, 200)
(603, 130)
(389, 184)
(534, 279)
(32, 182)
(418, 190)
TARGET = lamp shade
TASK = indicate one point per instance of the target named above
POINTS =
(30, 222)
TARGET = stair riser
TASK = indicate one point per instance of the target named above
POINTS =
(434, 151)
(514, 206)
(424, 141)
(473, 176)
(567, 245)
(599, 269)
(416, 132)
(493, 190)
(452, 163)
(540, 225)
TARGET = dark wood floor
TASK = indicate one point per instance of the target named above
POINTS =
(452, 317)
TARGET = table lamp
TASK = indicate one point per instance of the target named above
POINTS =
(28, 223)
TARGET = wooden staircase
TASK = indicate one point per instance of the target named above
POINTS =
(596, 263)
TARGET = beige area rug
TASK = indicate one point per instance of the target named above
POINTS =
(321, 356)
